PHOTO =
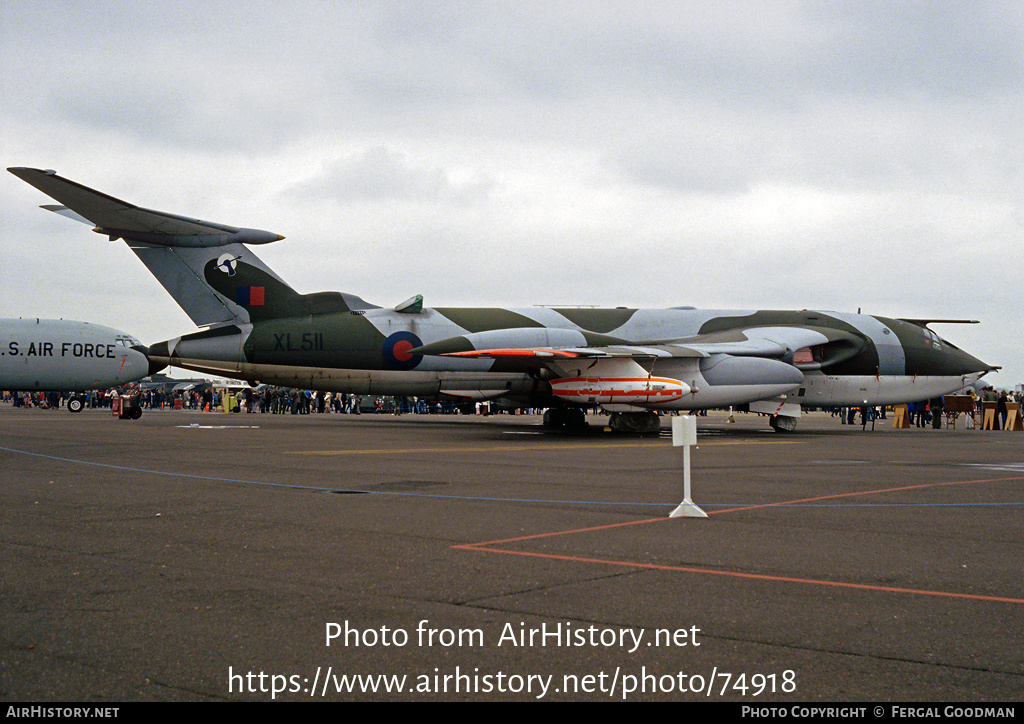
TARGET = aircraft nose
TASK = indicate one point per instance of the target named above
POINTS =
(135, 366)
(970, 364)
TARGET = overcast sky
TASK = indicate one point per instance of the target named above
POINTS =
(761, 155)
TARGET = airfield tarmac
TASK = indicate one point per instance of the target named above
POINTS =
(205, 557)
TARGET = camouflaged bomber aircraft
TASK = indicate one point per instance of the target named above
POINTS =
(631, 362)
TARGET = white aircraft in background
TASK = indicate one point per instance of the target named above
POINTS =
(66, 356)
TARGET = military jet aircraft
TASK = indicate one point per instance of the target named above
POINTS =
(66, 356)
(631, 362)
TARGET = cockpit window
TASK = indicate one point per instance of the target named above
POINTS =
(933, 339)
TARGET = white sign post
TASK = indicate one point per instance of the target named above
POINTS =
(684, 433)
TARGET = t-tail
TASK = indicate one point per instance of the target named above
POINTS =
(205, 266)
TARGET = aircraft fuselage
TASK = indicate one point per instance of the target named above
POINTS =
(260, 329)
(374, 351)
(63, 355)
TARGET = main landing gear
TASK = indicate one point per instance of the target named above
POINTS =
(573, 419)
(565, 418)
(782, 423)
(635, 422)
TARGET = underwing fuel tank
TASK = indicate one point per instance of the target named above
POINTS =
(682, 384)
(727, 370)
(730, 380)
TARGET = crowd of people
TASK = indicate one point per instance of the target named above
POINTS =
(263, 399)
(925, 413)
(289, 400)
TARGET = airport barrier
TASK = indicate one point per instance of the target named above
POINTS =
(953, 405)
(990, 422)
(1013, 419)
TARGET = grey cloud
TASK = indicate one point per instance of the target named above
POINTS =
(378, 174)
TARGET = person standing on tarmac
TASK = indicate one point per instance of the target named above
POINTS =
(937, 405)
(921, 410)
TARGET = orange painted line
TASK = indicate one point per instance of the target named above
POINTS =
(483, 547)
(864, 492)
(561, 532)
(729, 510)
(753, 576)
(732, 510)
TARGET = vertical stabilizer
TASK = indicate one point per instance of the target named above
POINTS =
(225, 284)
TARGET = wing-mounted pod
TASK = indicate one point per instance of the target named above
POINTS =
(617, 381)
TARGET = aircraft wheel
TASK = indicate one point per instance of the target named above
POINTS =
(575, 419)
(554, 418)
(75, 404)
(782, 423)
(565, 418)
(635, 422)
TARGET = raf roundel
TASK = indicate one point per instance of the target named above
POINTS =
(396, 351)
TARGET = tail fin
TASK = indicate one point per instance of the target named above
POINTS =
(221, 284)
(204, 266)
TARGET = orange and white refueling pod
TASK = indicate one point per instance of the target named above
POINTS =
(619, 390)
(621, 381)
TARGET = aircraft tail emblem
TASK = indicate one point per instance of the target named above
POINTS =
(227, 263)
